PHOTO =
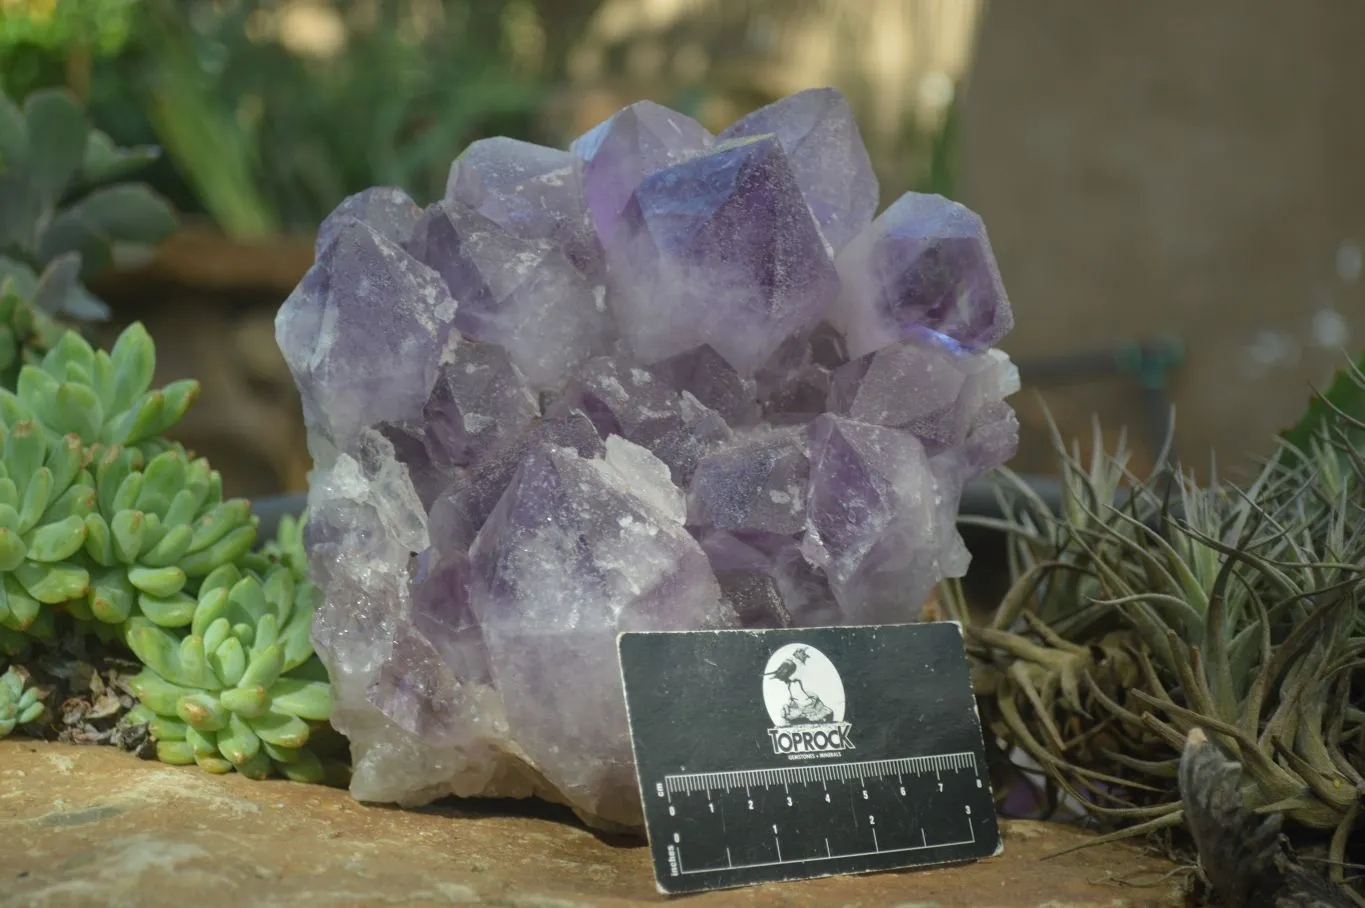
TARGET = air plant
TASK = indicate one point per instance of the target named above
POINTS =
(1150, 607)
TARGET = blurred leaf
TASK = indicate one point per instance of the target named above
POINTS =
(13, 135)
(104, 161)
(19, 211)
(22, 279)
(82, 306)
(940, 175)
(196, 126)
(126, 213)
(268, 139)
(59, 279)
(1346, 393)
(56, 142)
(128, 256)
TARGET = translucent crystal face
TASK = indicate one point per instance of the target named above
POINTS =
(925, 262)
(662, 380)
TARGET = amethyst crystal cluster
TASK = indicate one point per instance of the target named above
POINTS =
(662, 380)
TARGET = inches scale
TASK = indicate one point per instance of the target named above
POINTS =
(790, 754)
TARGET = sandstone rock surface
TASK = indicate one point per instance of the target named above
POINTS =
(89, 826)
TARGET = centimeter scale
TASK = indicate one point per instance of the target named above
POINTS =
(790, 754)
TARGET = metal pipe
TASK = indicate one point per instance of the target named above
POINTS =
(1149, 361)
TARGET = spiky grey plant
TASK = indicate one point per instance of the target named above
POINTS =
(1150, 607)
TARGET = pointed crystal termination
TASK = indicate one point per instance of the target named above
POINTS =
(925, 262)
(522, 294)
(544, 626)
(457, 514)
(658, 381)
(364, 301)
(821, 138)
(720, 249)
(621, 151)
(388, 210)
(877, 523)
(952, 384)
(478, 404)
(532, 192)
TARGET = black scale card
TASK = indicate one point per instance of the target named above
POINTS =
(790, 754)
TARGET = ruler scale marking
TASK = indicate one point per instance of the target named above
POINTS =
(752, 723)
(724, 779)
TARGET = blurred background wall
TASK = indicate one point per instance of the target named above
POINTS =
(1174, 190)
(1192, 169)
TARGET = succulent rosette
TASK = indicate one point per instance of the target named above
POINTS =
(20, 703)
(243, 689)
(99, 515)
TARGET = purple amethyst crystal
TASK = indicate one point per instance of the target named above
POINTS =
(876, 522)
(642, 571)
(364, 301)
(533, 192)
(925, 262)
(524, 294)
(626, 386)
(626, 400)
(389, 211)
(620, 152)
(705, 374)
(822, 141)
(952, 386)
(719, 249)
(479, 401)
(755, 485)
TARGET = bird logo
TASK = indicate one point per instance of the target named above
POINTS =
(802, 674)
(787, 669)
(804, 697)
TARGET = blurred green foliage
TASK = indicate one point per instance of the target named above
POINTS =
(268, 138)
(39, 38)
(65, 216)
(938, 154)
(271, 111)
(101, 25)
(1339, 409)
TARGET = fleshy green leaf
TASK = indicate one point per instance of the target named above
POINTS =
(56, 141)
(1347, 394)
(104, 161)
(127, 213)
(13, 135)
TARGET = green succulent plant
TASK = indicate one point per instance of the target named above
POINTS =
(56, 177)
(63, 219)
(20, 704)
(286, 548)
(102, 25)
(26, 332)
(105, 521)
(241, 690)
(102, 398)
(112, 537)
(99, 515)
